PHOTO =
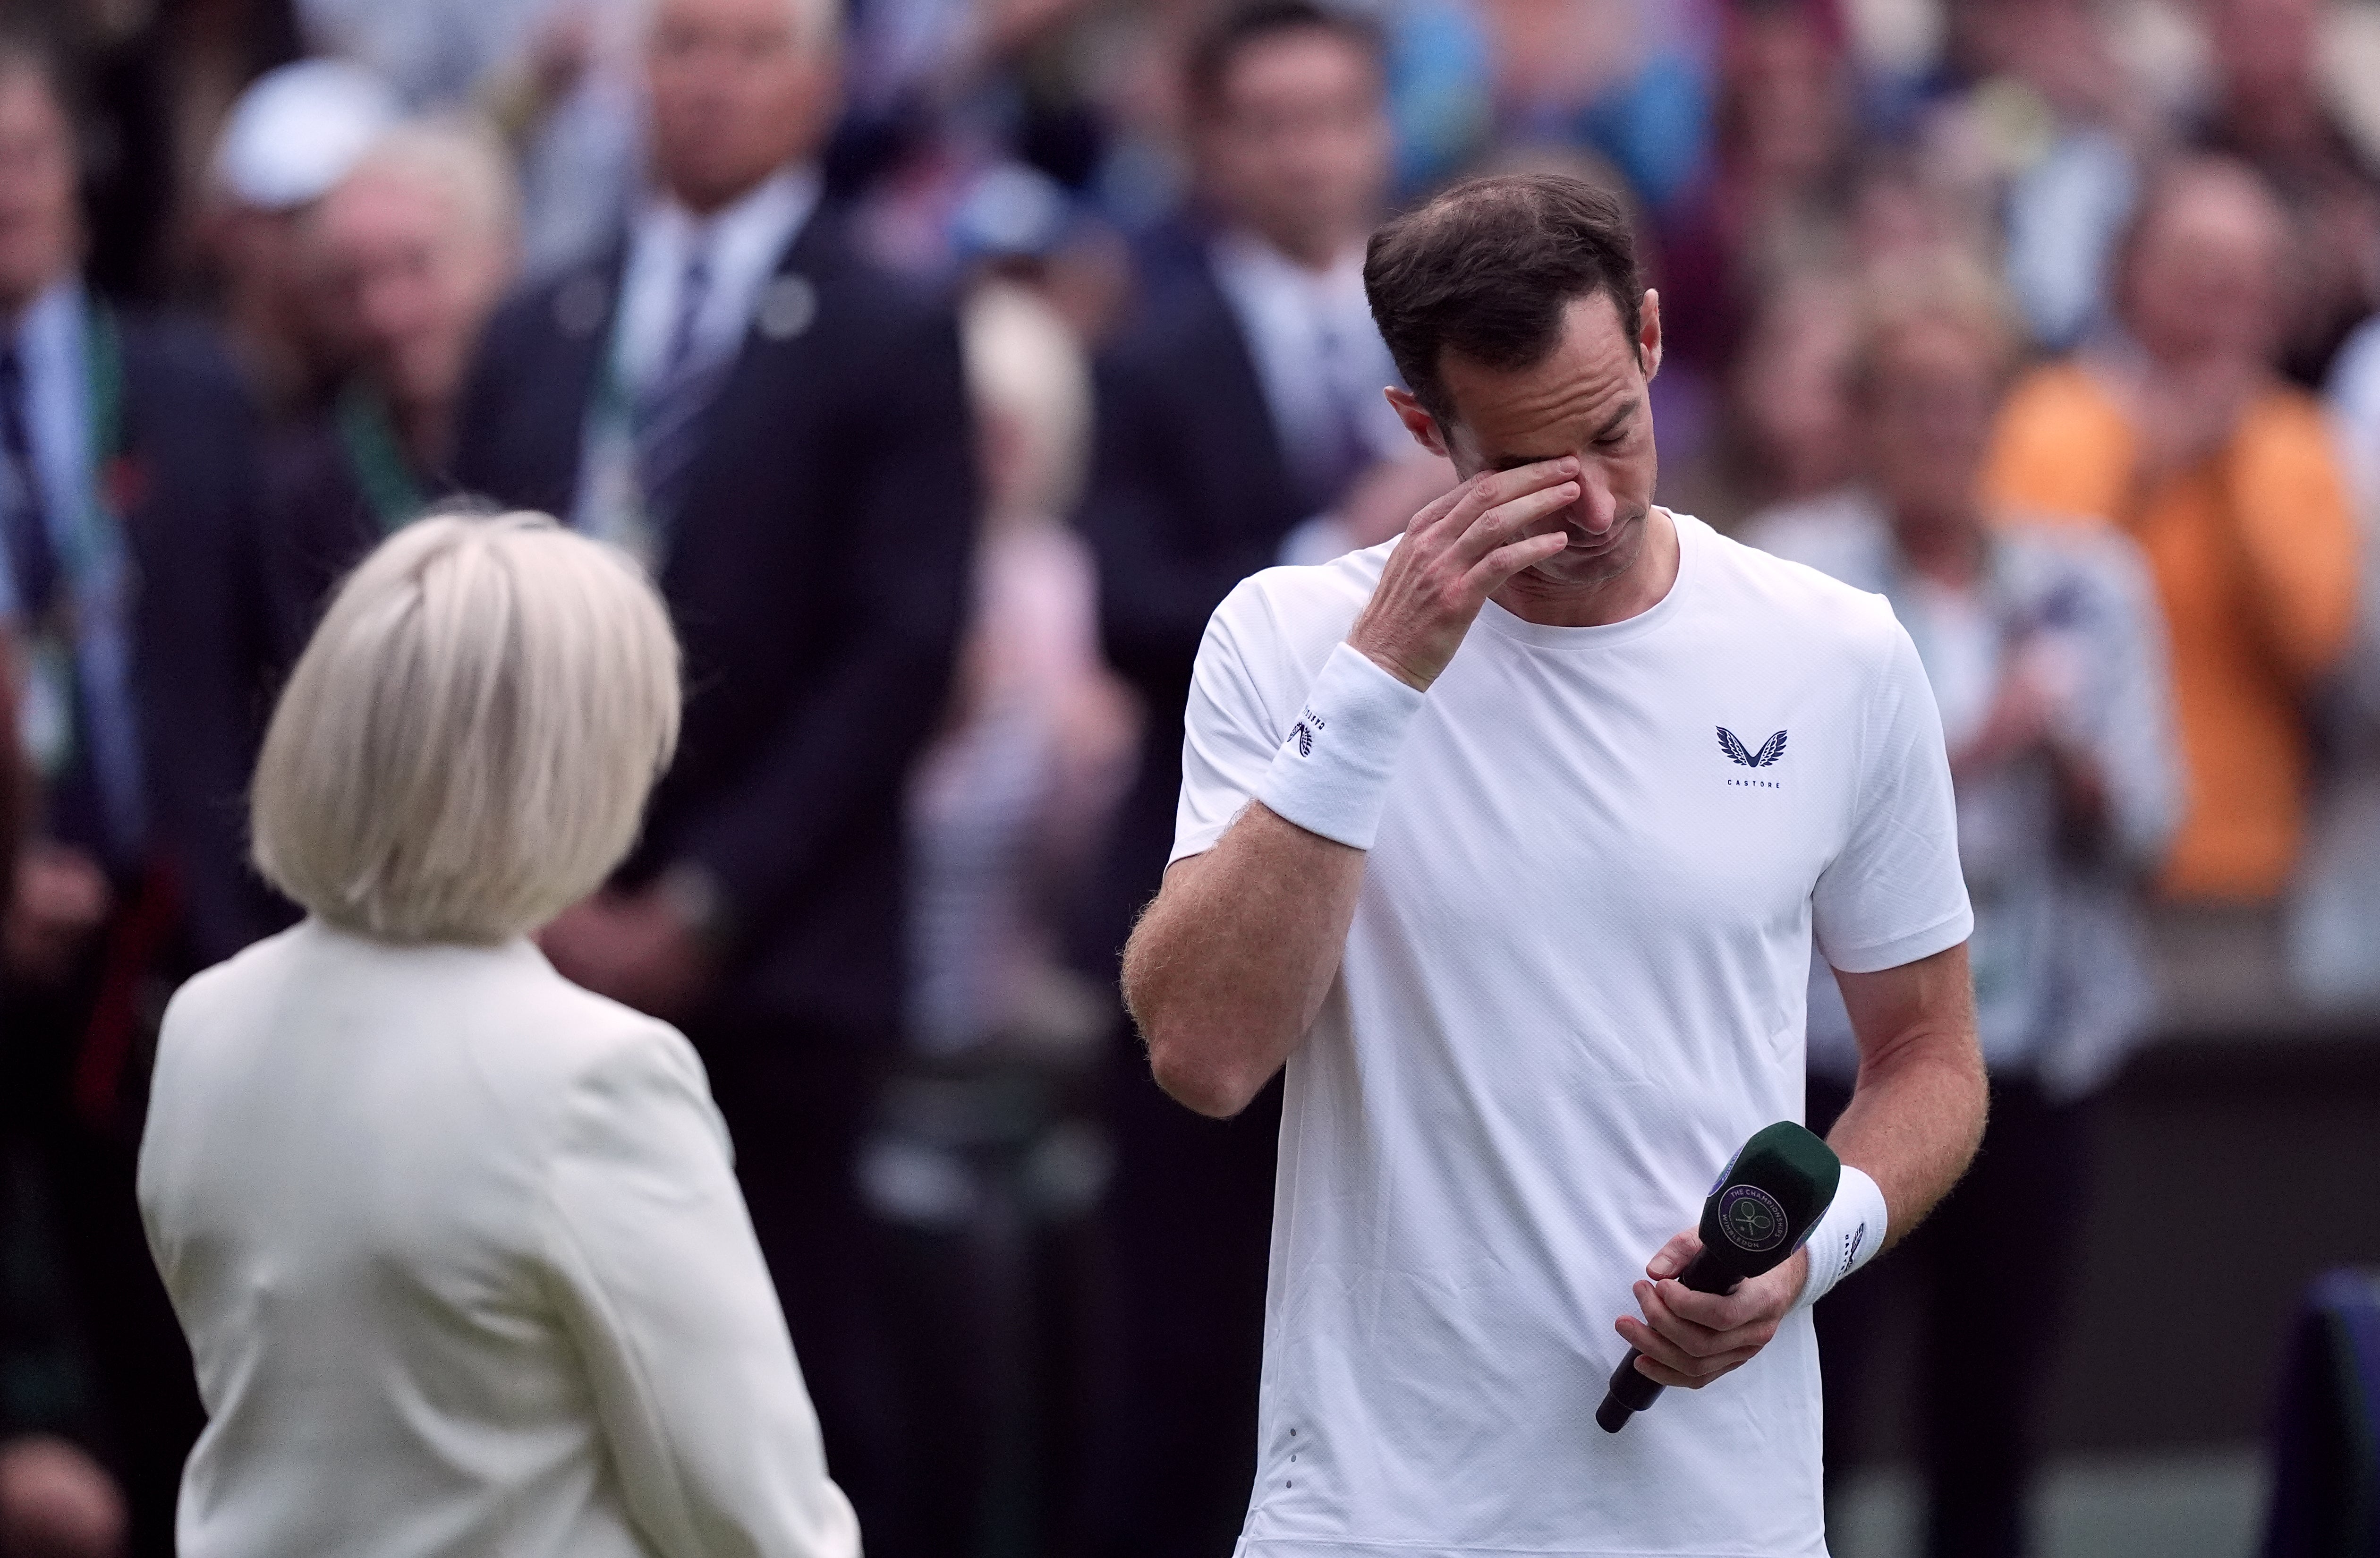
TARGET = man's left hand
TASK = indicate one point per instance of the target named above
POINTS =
(1690, 1338)
(637, 948)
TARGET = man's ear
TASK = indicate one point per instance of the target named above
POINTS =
(1418, 421)
(1648, 334)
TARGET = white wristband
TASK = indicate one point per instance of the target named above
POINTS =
(1331, 774)
(1846, 1238)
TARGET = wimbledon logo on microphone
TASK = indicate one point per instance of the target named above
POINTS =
(1751, 1218)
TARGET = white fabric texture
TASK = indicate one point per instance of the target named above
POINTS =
(464, 1271)
(1331, 774)
(1573, 985)
(2062, 992)
(1847, 1238)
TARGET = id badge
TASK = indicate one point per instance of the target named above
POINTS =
(45, 711)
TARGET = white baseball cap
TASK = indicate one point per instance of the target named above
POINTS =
(297, 130)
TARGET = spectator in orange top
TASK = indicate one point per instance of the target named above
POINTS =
(2177, 430)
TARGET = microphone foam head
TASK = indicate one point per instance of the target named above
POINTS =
(1770, 1197)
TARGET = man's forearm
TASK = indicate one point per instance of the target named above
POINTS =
(1916, 1115)
(1225, 972)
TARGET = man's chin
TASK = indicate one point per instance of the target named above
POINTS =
(1576, 566)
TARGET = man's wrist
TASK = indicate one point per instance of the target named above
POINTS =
(1331, 774)
(1392, 664)
(1846, 1237)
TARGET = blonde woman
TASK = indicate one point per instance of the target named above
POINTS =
(463, 1263)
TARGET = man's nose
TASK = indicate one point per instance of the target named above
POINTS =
(1594, 508)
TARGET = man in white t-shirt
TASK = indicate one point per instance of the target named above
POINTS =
(1509, 838)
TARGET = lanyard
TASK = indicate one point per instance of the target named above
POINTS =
(91, 537)
(612, 505)
(368, 436)
(89, 547)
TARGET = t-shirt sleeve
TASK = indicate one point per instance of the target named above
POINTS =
(1895, 893)
(1229, 735)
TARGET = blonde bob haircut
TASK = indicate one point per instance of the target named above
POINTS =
(465, 748)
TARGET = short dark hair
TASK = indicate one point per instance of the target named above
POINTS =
(1218, 47)
(1486, 268)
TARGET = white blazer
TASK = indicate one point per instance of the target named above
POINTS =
(464, 1271)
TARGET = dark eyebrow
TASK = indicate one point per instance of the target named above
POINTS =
(1617, 418)
(1611, 424)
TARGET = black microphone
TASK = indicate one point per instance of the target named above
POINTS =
(1767, 1198)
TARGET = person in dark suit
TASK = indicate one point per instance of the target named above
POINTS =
(782, 428)
(417, 246)
(128, 582)
(1239, 423)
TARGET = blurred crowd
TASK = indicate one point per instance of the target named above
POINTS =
(947, 361)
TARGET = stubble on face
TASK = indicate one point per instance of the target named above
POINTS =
(1587, 398)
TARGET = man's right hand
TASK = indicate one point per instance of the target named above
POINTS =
(1457, 551)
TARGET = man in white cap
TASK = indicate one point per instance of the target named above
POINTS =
(293, 134)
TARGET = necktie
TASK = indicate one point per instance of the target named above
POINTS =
(670, 410)
(1339, 451)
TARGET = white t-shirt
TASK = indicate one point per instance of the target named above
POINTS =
(1574, 984)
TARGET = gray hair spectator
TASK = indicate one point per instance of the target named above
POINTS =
(2179, 433)
(416, 246)
(2047, 655)
(291, 136)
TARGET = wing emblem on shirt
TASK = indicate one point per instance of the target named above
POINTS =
(1304, 737)
(1732, 745)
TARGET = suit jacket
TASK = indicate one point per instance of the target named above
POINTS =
(203, 663)
(465, 1270)
(818, 578)
(317, 524)
(1189, 493)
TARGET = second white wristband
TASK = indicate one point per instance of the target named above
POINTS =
(1847, 1238)
(1331, 774)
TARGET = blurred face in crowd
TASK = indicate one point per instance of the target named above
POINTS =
(1295, 143)
(1589, 397)
(415, 272)
(2058, 47)
(2201, 278)
(739, 88)
(1787, 108)
(38, 228)
(2264, 52)
(1926, 395)
(1789, 388)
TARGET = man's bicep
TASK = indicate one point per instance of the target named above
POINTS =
(1228, 738)
(1932, 996)
(1895, 893)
